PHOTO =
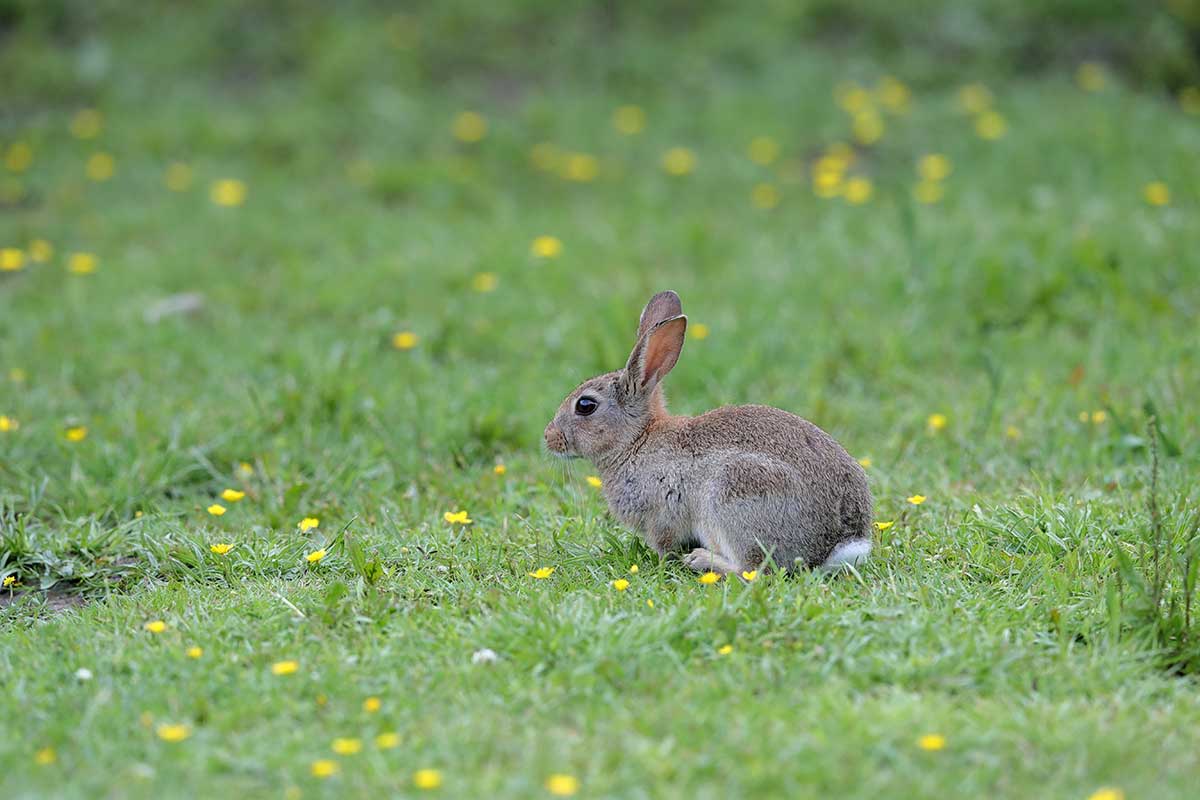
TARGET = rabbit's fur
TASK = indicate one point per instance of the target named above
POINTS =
(732, 487)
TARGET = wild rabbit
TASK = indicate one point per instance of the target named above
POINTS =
(732, 487)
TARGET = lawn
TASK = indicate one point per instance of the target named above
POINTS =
(309, 286)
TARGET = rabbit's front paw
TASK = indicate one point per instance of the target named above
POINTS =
(703, 560)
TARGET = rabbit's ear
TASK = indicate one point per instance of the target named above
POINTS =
(663, 306)
(655, 354)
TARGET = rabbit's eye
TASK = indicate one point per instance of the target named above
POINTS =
(586, 406)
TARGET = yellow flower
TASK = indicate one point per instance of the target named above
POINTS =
(87, 123)
(763, 150)
(764, 196)
(561, 785)
(216, 509)
(1091, 76)
(541, 573)
(427, 779)
(284, 667)
(883, 526)
(387, 741)
(19, 157)
(629, 120)
(245, 469)
(457, 518)
(17, 375)
(155, 626)
(709, 578)
(315, 556)
(990, 125)
(649, 604)
(307, 524)
(698, 331)
(580, 167)
(11, 259)
(679, 161)
(725, 649)
(633, 569)
(546, 247)
(101, 166)
(827, 177)
(1099, 417)
(931, 742)
(1107, 793)
(178, 177)
(928, 192)
(469, 126)
(232, 495)
(45, 757)
(750, 575)
(346, 747)
(195, 652)
(933, 167)
(221, 549)
(1156, 193)
(228, 192)
(173, 733)
(81, 263)
(485, 282)
(864, 462)
(893, 94)
(405, 340)
(852, 98)
(1189, 99)
(594, 481)
(620, 584)
(77, 433)
(9, 580)
(545, 156)
(975, 98)
(1012, 432)
(868, 127)
(936, 422)
(372, 704)
(324, 768)
(8, 424)
(40, 251)
(917, 499)
(499, 469)
(858, 191)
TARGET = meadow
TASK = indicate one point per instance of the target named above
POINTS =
(286, 303)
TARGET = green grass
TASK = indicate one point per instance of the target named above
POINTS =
(1004, 613)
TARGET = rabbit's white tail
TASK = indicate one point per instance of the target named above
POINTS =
(850, 553)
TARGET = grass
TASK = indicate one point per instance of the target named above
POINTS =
(1042, 306)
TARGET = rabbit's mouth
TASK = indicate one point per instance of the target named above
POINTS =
(557, 444)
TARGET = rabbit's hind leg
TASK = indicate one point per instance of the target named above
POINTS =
(703, 560)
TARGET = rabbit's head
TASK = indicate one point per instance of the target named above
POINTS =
(606, 415)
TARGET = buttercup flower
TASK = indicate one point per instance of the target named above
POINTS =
(928, 192)
(858, 191)
(629, 120)
(936, 422)
(101, 166)
(9, 580)
(594, 481)
(387, 741)
(541, 573)
(546, 247)
(228, 192)
(883, 526)
(77, 433)
(698, 331)
(8, 424)
(1099, 417)
(763, 150)
(427, 779)
(372, 704)
(868, 127)
(81, 263)
(1156, 193)
(19, 157)
(469, 126)
(851, 97)
(232, 495)
(561, 785)
(307, 524)
(324, 768)
(764, 196)
(725, 649)
(499, 469)
(221, 549)
(284, 667)
(346, 747)
(579, 167)
(1012, 432)
(216, 509)
(195, 652)
(893, 94)
(87, 123)
(917, 499)
(633, 569)
(975, 98)
(679, 161)
(620, 584)
(1107, 793)
(11, 259)
(457, 518)
(40, 250)
(178, 177)
(990, 125)
(405, 340)
(173, 733)
(485, 282)
(864, 462)
(933, 167)
(931, 742)
(45, 757)
(1090, 76)
(750, 575)
(315, 556)
(709, 578)
(155, 626)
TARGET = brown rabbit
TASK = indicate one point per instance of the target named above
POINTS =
(733, 487)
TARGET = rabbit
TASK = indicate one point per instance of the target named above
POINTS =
(735, 489)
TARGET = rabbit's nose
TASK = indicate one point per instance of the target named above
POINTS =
(555, 439)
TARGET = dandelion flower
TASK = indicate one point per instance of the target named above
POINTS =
(232, 495)
(324, 768)
(725, 649)
(101, 166)
(11, 259)
(216, 509)
(308, 523)
(81, 263)
(933, 167)
(45, 757)
(9, 580)
(346, 747)
(1091, 76)
(633, 569)
(405, 340)
(499, 469)
(858, 191)
(868, 127)
(541, 573)
(469, 126)
(629, 120)
(1107, 793)
(8, 424)
(620, 584)
(883, 526)
(864, 462)
(649, 604)
(155, 626)
(561, 785)
(936, 422)
(679, 161)
(990, 125)
(195, 652)
(284, 667)
(77, 433)
(173, 733)
(594, 481)
(372, 704)
(546, 247)
(87, 123)
(228, 192)
(387, 740)
(917, 499)
(699, 331)
(485, 282)
(427, 779)
(580, 168)
(709, 578)
(19, 157)
(932, 742)
(315, 556)
(1156, 193)
(928, 192)
(457, 518)
(221, 549)
(764, 196)
(178, 177)
(750, 575)
(763, 150)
